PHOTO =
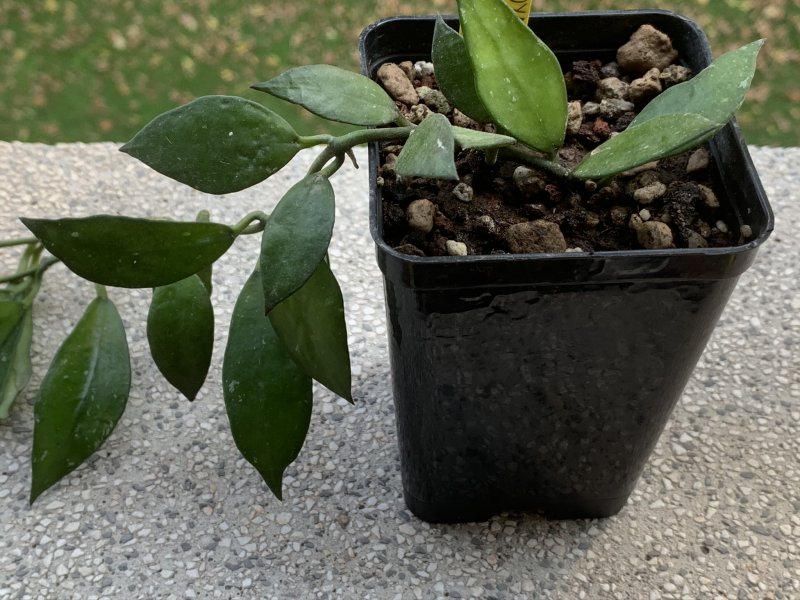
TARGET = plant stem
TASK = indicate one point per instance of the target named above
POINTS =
(332, 167)
(341, 145)
(524, 154)
(253, 222)
(36, 282)
(307, 141)
(101, 291)
(19, 242)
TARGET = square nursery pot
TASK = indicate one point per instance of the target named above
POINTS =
(542, 382)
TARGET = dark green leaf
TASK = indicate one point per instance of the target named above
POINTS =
(205, 274)
(296, 238)
(715, 93)
(469, 138)
(82, 396)
(334, 93)
(311, 324)
(16, 329)
(180, 331)
(454, 73)
(205, 277)
(216, 144)
(428, 152)
(517, 76)
(132, 253)
(656, 138)
(267, 396)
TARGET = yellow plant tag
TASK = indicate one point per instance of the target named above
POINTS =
(522, 8)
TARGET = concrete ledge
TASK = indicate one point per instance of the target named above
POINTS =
(168, 509)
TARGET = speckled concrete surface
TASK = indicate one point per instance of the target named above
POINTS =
(169, 510)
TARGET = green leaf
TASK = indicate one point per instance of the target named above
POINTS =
(311, 324)
(216, 144)
(296, 238)
(469, 138)
(428, 152)
(82, 396)
(205, 277)
(16, 330)
(656, 138)
(180, 331)
(267, 396)
(132, 253)
(454, 73)
(715, 93)
(517, 76)
(334, 93)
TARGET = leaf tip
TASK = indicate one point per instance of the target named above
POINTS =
(274, 482)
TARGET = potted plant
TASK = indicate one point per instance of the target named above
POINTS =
(532, 381)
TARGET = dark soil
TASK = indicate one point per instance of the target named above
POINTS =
(590, 217)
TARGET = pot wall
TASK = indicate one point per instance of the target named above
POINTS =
(542, 382)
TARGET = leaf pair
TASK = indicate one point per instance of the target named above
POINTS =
(269, 364)
(287, 328)
(679, 118)
(500, 71)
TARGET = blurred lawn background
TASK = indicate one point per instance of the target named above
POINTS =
(94, 70)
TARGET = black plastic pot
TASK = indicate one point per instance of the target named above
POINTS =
(542, 382)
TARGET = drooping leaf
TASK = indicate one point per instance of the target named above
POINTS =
(715, 93)
(428, 152)
(517, 76)
(216, 144)
(267, 396)
(654, 139)
(82, 396)
(180, 332)
(334, 93)
(454, 73)
(470, 138)
(133, 253)
(296, 238)
(311, 324)
(16, 329)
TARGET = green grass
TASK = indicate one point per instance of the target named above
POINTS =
(93, 70)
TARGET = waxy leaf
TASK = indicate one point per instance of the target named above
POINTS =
(311, 324)
(180, 332)
(267, 396)
(16, 329)
(715, 93)
(517, 76)
(454, 73)
(334, 93)
(428, 152)
(82, 396)
(216, 144)
(656, 138)
(469, 138)
(296, 238)
(133, 253)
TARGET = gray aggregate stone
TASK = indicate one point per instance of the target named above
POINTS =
(725, 525)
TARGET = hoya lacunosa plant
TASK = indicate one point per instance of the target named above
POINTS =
(288, 325)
